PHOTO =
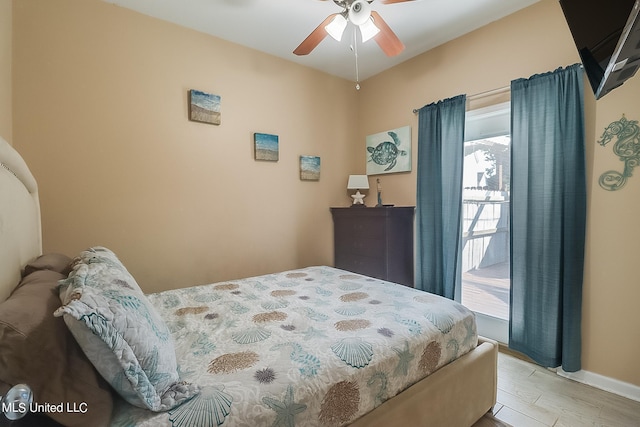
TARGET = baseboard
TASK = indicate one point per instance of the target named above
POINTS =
(621, 388)
(612, 385)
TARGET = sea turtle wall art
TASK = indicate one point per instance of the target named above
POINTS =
(389, 151)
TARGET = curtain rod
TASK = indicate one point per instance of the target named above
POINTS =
(481, 94)
(489, 92)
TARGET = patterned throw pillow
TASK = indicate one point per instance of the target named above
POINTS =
(121, 333)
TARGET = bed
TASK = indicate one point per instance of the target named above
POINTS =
(312, 346)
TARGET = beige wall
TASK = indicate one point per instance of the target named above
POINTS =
(101, 117)
(120, 165)
(6, 117)
(612, 287)
(532, 41)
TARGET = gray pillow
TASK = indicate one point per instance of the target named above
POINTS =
(37, 349)
(59, 263)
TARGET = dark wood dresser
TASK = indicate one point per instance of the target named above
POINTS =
(377, 242)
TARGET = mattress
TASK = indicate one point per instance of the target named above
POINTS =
(316, 346)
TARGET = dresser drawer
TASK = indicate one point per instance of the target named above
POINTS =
(363, 246)
(367, 227)
(360, 228)
(376, 242)
(374, 267)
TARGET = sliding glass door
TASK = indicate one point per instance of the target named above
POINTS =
(485, 219)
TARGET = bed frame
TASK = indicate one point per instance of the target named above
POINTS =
(458, 394)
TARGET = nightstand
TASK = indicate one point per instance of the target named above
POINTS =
(376, 242)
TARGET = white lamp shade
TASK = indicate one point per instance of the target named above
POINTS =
(368, 30)
(336, 27)
(359, 12)
(358, 182)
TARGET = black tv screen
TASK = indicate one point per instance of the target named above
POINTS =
(607, 35)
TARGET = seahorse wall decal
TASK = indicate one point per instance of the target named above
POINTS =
(627, 148)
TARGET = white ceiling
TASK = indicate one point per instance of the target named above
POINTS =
(277, 27)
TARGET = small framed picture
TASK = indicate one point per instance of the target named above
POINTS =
(309, 168)
(204, 107)
(266, 147)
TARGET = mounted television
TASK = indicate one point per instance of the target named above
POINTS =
(607, 35)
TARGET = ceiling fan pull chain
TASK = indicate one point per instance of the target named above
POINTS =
(355, 50)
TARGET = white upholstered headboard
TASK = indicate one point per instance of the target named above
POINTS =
(20, 228)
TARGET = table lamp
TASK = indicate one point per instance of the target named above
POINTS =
(17, 401)
(358, 182)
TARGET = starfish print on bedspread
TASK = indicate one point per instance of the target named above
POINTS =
(404, 358)
(286, 410)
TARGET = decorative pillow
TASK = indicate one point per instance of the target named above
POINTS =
(37, 349)
(121, 333)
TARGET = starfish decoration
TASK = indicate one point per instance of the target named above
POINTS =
(404, 358)
(285, 410)
(358, 198)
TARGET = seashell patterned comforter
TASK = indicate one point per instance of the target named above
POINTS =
(311, 347)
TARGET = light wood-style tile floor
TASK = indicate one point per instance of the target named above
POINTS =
(530, 395)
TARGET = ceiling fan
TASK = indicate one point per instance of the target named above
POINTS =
(359, 13)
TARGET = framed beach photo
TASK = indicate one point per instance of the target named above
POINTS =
(389, 152)
(266, 147)
(309, 168)
(204, 107)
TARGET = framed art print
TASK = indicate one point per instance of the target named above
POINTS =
(309, 168)
(389, 152)
(204, 107)
(266, 147)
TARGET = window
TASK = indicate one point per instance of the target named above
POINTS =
(485, 216)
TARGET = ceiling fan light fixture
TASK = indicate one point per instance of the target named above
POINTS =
(336, 27)
(368, 30)
(359, 12)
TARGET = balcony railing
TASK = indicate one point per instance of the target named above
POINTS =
(485, 255)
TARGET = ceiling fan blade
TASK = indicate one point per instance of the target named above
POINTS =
(386, 38)
(314, 38)
(393, 1)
